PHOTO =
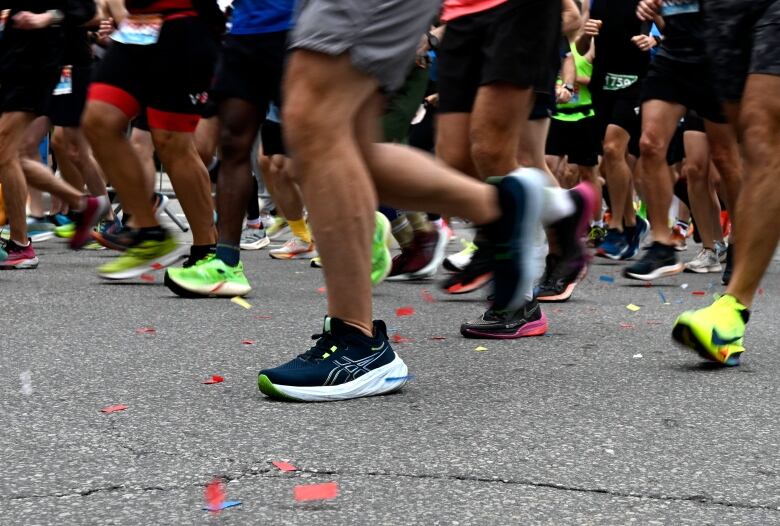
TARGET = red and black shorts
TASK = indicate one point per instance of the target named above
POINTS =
(170, 78)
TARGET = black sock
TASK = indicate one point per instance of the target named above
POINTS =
(198, 252)
(630, 231)
(151, 233)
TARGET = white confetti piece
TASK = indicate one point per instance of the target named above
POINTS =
(26, 379)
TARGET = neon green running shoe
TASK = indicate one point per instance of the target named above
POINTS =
(716, 332)
(146, 256)
(381, 259)
(65, 231)
(278, 228)
(209, 277)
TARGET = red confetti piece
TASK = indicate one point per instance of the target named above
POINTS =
(627, 325)
(261, 317)
(147, 277)
(437, 338)
(404, 311)
(427, 296)
(215, 379)
(397, 338)
(215, 494)
(321, 290)
(114, 408)
(146, 330)
(248, 342)
(328, 490)
(647, 284)
(156, 266)
(284, 466)
(698, 293)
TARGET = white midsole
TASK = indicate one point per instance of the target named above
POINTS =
(227, 290)
(372, 383)
(669, 270)
(257, 245)
(165, 261)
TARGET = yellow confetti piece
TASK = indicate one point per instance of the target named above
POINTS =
(632, 307)
(238, 300)
(481, 349)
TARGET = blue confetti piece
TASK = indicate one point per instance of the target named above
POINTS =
(663, 298)
(226, 504)
(399, 378)
(608, 279)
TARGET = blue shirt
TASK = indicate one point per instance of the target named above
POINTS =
(252, 17)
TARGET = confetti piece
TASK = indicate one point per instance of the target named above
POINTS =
(321, 290)
(214, 495)
(404, 311)
(627, 325)
(262, 317)
(437, 338)
(328, 490)
(225, 504)
(113, 408)
(684, 286)
(281, 465)
(632, 307)
(663, 297)
(607, 279)
(397, 338)
(698, 293)
(647, 285)
(481, 349)
(147, 277)
(427, 296)
(248, 342)
(760, 292)
(399, 378)
(637, 356)
(26, 380)
(156, 266)
(653, 322)
(215, 379)
(609, 451)
(146, 330)
(238, 300)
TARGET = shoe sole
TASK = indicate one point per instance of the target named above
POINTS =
(602, 254)
(532, 328)
(82, 234)
(386, 256)
(42, 236)
(669, 270)
(160, 263)
(301, 255)
(223, 290)
(382, 380)
(684, 335)
(704, 270)
(257, 245)
(282, 232)
(451, 267)
(26, 264)
(475, 284)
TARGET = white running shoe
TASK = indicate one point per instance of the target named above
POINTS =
(295, 248)
(705, 261)
(459, 261)
(254, 238)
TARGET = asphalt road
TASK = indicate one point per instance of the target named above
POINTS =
(602, 421)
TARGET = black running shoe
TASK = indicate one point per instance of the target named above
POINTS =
(343, 364)
(477, 274)
(726, 278)
(559, 279)
(119, 240)
(658, 261)
(528, 320)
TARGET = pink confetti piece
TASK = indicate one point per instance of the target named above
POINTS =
(114, 408)
(437, 338)
(322, 290)
(427, 296)
(262, 317)
(281, 465)
(397, 338)
(146, 330)
(328, 490)
(627, 325)
(248, 342)
(215, 379)
(404, 311)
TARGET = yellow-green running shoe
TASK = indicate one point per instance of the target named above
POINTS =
(278, 228)
(716, 332)
(381, 259)
(66, 231)
(146, 256)
(209, 277)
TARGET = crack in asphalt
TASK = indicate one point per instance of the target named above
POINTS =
(268, 472)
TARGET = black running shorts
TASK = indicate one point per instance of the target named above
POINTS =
(743, 38)
(575, 139)
(511, 43)
(66, 106)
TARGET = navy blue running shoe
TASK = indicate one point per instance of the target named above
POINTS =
(343, 364)
(614, 245)
(640, 232)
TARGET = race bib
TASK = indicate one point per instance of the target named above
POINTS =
(613, 82)
(4, 14)
(65, 85)
(679, 7)
(139, 30)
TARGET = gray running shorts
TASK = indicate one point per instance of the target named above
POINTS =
(381, 36)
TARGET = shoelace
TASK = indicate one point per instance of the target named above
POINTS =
(325, 343)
